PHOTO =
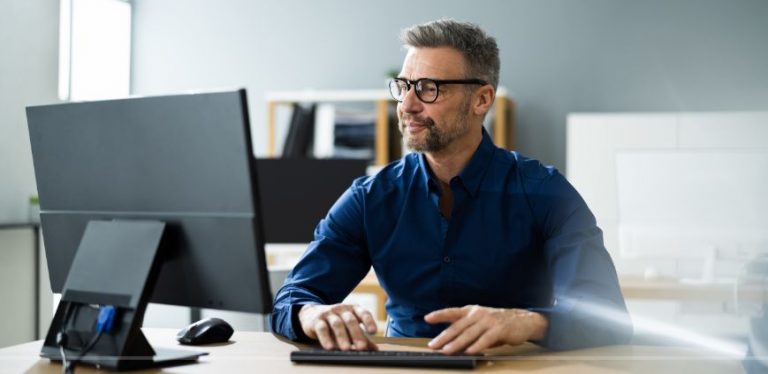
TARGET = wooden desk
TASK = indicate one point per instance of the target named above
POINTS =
(673, 289)
(252, 352)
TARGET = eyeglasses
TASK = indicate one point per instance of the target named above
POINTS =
(427, 89)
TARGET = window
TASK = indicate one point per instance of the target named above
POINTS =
(94, 49)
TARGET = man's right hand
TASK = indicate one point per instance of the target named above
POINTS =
(338, 326)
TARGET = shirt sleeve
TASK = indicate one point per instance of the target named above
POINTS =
(333, 264)
(587, 308)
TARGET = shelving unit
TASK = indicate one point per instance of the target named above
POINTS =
(503, 115)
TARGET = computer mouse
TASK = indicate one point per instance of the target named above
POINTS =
(206, 331)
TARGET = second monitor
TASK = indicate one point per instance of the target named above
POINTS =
(297, 194)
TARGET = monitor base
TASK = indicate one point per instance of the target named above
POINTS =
(163, 358)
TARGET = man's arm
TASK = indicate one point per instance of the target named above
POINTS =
(306, 306)
(587, 307)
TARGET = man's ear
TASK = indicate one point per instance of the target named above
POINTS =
(483, 100)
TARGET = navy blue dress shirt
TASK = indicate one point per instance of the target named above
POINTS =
(519, 236)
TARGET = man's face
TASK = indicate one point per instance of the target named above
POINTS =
(433, 127)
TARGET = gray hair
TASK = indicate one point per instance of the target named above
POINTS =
(478, 48)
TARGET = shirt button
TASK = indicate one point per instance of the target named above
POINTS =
(447, 259)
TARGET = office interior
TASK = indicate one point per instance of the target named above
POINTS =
(656, 111)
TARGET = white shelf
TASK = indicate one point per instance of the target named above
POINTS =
(328, 96)
(341, 95)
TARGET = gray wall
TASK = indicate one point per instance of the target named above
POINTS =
(28, 75)
(558, 56)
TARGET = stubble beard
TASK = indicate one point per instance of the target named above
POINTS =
(436, 138)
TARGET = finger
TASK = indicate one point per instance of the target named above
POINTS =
(323, 332)
(371, 345)
(367, 318)
(339, 331)
(445, 315)
(487, 340)
(450, 333)
(359, 341)
(465, 339)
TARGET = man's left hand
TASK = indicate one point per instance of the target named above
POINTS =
(474, 328)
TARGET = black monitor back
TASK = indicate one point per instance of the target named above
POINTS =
(185, 160)
(297, 193)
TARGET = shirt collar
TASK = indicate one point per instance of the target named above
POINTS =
(430, 184)
(472, 174)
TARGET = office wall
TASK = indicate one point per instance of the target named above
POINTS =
(558, 56)
(28, 75)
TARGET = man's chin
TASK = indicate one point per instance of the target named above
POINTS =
(421, 142)
(414, 144)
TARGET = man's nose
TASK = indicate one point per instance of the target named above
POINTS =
(411, 103)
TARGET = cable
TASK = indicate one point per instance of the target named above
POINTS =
(62, 338)
(104, 324)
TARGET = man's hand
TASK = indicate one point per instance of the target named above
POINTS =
(474, 328)
(338, 326)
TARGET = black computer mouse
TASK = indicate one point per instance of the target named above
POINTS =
(205, 331)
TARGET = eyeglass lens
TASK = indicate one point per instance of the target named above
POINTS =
(426, 89)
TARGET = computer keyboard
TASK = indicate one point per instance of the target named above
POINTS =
(385, 358)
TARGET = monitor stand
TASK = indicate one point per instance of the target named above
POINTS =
(117, 264)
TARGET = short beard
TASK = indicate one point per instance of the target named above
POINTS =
(432, 142)
(438, 138)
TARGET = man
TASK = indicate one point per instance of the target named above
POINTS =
(475, 246)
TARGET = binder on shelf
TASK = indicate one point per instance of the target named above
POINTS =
(298, 142)
(324, 123)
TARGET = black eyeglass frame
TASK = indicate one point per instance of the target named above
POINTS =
(437, 82)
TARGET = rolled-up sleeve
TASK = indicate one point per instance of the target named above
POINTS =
(587, 308)
(333, 264)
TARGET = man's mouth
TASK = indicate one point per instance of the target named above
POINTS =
(414, 127)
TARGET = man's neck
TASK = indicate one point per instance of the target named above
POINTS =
(449, 162)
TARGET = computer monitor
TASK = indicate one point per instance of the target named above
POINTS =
(184, 162)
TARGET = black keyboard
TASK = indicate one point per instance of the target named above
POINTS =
(385, 358)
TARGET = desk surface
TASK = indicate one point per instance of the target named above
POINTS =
(262, 352)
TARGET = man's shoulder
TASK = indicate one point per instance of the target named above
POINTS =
(395, 173)
(529, 169)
